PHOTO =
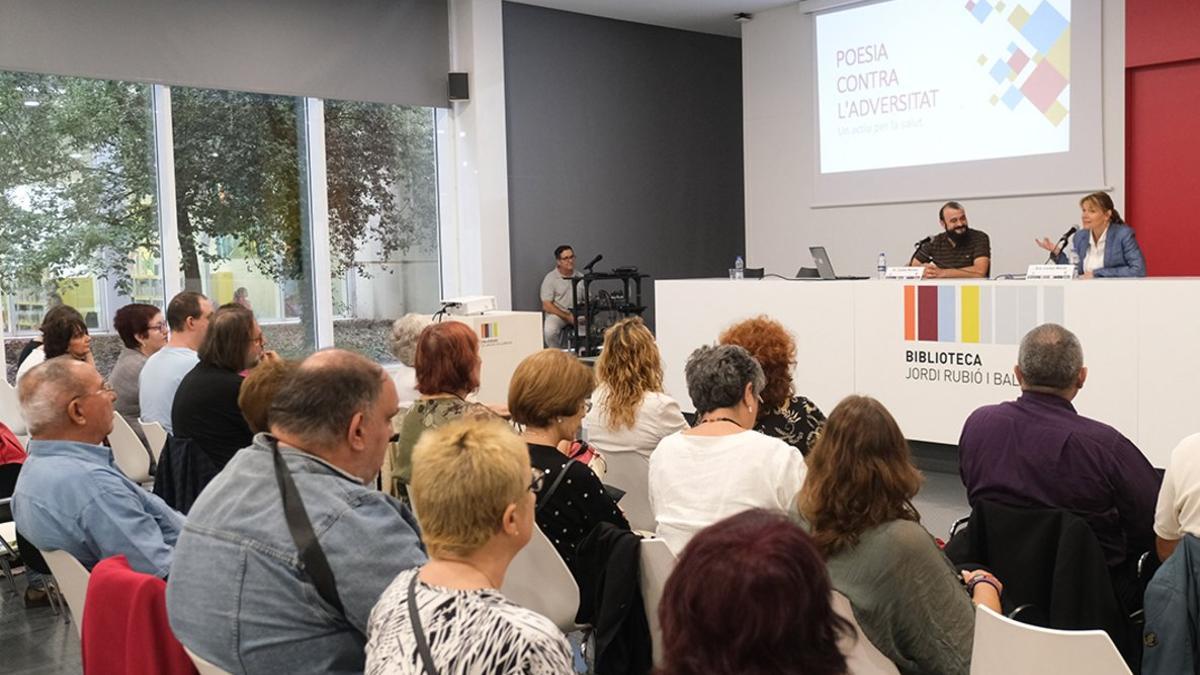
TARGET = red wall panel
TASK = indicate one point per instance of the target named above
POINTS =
(1161, 31)
(1163, 165)
(1162, 132)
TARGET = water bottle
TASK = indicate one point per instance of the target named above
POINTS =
(739, 268)
(881, 266)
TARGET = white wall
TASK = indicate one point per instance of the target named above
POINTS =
(777, 52)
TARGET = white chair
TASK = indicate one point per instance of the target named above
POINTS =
(10, 409)
(72, 579)
(862, 658)
(539, 580)
(156, 437)
(129, 454)
(630, 471)
(203, 666)
(1004, 646)
(657, 562)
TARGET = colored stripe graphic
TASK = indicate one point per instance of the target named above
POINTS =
(1052, 305)
(985, 315)
(1006, 315)
(970, 314)
(927, 313)
(910, 313)
(947, 314)
(1027, 312)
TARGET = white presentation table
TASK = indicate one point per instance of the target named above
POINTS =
(934, 351)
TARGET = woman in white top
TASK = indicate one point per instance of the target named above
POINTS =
(722, 466)
(630, 412)
(474, 490)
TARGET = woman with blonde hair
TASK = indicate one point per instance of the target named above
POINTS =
(630, 412)
(784, 415)
(475, 491)
(857, 501)
(548, 397)
(1104, 246)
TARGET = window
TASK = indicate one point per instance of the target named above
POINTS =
(78, 217)
(238, 198)
(381, 167)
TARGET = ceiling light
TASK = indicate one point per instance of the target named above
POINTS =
(743, 17)
(32, 103)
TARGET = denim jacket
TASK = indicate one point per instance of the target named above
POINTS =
(1172, 606)
(1122, 255)
(71, 497)
(237, 595)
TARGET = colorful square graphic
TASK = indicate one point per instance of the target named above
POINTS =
(1044, 85)
(1019, 17)
(1012, 97)
(982, 10)
(1018, 61)
(979, 314)
(489, 330)
(1044, 27)
(999, 71)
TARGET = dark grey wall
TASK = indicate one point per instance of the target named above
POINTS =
(623, 139)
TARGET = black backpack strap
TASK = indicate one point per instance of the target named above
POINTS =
(414, 618)
(312, 559)
(545, 496)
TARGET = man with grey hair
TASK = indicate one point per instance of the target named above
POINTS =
(70, 496)
(1038, 452)
(287, 550)
(722, 466)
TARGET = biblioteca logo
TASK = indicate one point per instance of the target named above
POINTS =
(948, 329)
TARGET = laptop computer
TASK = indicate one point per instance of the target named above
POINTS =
(824, 267)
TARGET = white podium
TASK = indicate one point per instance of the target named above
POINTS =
(505, 338)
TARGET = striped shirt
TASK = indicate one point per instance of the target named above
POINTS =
(948, 256)
(476, 632)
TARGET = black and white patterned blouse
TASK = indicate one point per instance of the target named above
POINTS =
(798, 424)
(578, 504)
(476, 632)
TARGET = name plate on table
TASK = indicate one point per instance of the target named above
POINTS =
(1036, 272)
(904, 273)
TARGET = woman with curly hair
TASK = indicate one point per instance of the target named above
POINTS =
(630, 412)
(857, 501)
(784, 415)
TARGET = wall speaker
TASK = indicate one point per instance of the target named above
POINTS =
(459, 88)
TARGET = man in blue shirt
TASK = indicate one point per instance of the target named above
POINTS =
(70, 496)
(238, 595)
(187, 315)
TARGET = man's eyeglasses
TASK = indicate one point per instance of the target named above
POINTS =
(539, 479)
(568, 257)
(102, 391)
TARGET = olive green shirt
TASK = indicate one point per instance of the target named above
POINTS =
(908, 599)
(427, 414)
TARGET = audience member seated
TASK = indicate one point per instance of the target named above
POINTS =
(259, 389)
(1037, 452)
(70, 496)
(548, 396)
(241, 594)
(1178, 511)
(447, 364)
(34, 351)
(722, 466)
(143, 331)
(12, 456)
(630, 412)
(750, 594)
(783, 415)
(188, 315)
(206, 403)
(473, 486)
(857, 501)
(405, 332)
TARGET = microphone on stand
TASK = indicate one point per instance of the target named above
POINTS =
(919, 245)
(1062, 241)
(588, 267)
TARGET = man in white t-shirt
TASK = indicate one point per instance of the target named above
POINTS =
(558, 297)
(1178, 511)
(187, 315)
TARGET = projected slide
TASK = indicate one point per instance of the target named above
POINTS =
(918, 82)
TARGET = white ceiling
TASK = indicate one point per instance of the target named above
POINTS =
(705, 16)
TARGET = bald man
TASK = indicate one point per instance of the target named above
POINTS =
(238, 562)
(70, 496)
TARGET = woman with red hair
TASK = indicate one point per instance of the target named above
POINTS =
(447, 365)
(750, 595)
